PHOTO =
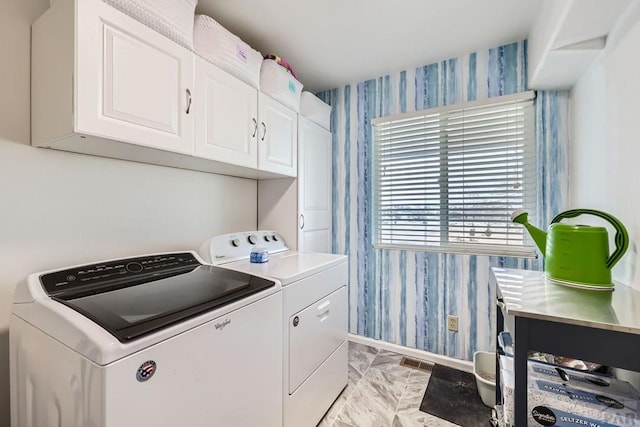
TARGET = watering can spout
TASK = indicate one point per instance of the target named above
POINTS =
(538, 235)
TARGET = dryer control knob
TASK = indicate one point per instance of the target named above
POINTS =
(274, 238)
(235, 243)
(296, 321)
(252, 239)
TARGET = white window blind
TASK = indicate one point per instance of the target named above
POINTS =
(447, 179)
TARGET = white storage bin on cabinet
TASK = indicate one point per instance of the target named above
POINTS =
(171, 18)
(315, 110)
(222, 48)
(278, 83)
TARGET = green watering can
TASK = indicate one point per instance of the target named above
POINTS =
(577, 254)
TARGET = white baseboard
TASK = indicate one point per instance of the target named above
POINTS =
(463, 365)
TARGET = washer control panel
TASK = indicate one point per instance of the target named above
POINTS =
(237, 246)
(77, 280)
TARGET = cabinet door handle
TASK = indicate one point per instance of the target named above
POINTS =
(255, 128)
(264, 129)
(188, 101)
(301, 221)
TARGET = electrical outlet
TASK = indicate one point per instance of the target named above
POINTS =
(452, 323)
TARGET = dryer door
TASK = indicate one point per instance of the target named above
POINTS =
(315, 333)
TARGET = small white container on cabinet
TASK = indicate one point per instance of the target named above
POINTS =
(222, 48)
(279, 84)
(315, 110)
(171, 18)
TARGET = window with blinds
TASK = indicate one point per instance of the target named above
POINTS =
(448, 179)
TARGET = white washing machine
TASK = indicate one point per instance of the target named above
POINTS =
(151, 341)
(314, 289)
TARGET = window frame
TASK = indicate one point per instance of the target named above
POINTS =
(526, 250)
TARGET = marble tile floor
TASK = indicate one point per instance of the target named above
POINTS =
(380, 393)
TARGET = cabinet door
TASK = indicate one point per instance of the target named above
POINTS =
(278, 137)
(227, 117)
(314, 188)
(132, 84)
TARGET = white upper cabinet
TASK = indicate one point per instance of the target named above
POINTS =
(132, 84)
(105, 84)
(239, 125)
(124, 81)
(227, 116)
(314, 188)
(277, 132)
(301, 209)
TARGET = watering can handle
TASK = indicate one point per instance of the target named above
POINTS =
(621, 239)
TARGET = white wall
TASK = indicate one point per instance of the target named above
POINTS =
(605, 159)
(58, 208)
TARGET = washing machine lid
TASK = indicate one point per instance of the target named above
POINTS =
(137, 296)
(290, 266)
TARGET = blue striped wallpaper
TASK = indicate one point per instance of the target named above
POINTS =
(404, 297)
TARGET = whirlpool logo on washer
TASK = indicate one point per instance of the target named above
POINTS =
(221, 325)
(146, 371)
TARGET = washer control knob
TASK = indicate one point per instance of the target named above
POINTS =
(274, 238)
(296, 321)
(235, 243)
(252, 239)
(267, 238)
(134, 267)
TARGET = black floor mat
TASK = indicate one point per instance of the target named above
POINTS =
(452, 395)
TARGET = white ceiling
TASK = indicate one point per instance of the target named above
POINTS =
(330, 43)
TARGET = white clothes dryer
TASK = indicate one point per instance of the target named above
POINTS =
(314, 288)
